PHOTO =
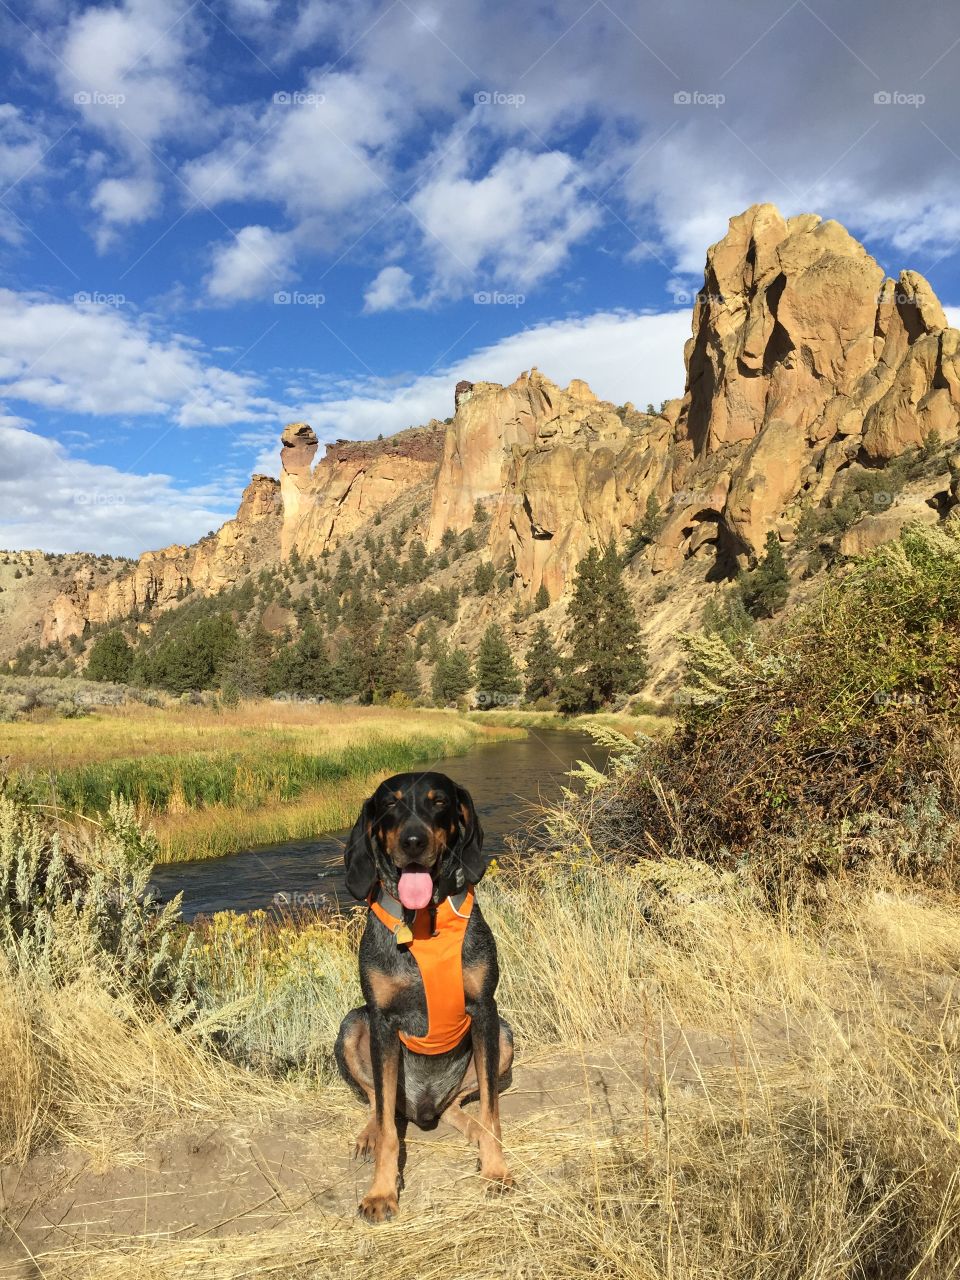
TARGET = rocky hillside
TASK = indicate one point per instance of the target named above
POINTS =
(821, 401)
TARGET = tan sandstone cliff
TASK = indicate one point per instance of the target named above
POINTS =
(159, 579)
(803, 359)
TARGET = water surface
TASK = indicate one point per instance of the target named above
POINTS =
(506, 780)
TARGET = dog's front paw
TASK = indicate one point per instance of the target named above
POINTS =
(379, 1208)
(497, 1175)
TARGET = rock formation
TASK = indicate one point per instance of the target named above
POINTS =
(352, 483)
(803, 359)
(160, 579)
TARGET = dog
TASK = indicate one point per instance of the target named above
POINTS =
(428, 1037)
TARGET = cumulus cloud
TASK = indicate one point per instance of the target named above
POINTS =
(53, 501)
(87, 357)
(123, 202)
(128, 70)
(257, 261)
(510, 226)
(390, 291)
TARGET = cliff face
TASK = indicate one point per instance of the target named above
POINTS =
(803, 357)
(557, 470)
(803, 361)
(352, 483)
(160, 578)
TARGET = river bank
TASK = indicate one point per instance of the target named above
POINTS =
(511, 780)
(211, 780)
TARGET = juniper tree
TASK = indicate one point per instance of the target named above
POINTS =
(765, 590)
(541, 664)
(111, 658)
(496, 677)
(608, 655)
(451, 676)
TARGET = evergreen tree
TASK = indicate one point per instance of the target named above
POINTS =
(646, 532)
(541, 662)
(417, 560)
(541, 600)
(344, 575)
(111, 658)
(480, 513)
(608, 654)
(451, 676)
(303, 667)
(468, 541)
(245, 672)
(496, 678)
(484, 578)
(362, 616)
(764, 591)
(396, 664)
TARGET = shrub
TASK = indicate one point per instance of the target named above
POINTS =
(70, 902)
(838, 722)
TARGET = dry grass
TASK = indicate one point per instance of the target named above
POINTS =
(786, 1102)
(131, 731)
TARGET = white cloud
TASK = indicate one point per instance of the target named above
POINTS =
(102, 360)
(55, 502)
(257, 261)
(315, 150)
(127, 70)
(21, 147)
(123, 202)
(390, 291)
(510, 227)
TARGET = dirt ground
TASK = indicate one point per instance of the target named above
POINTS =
(212, 1182)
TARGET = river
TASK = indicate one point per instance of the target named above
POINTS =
(506, 779)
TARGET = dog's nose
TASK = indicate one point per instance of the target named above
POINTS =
(414, 842)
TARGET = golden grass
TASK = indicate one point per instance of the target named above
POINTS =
(134, 730)
(785, 1104)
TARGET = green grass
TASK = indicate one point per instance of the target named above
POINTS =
(197, 780)
(623, 722)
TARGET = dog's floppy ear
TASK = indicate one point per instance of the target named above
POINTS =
(358, 859)
(470, 844)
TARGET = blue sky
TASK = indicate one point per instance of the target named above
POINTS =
(219, 217)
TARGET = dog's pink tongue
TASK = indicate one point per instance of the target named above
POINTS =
(416, 888)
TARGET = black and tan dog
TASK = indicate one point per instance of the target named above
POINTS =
(429, 1037)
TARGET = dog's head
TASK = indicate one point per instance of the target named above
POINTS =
(418, 835)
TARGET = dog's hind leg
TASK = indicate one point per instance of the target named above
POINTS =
(352, 1052)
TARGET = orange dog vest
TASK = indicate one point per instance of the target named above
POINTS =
(440, 962)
